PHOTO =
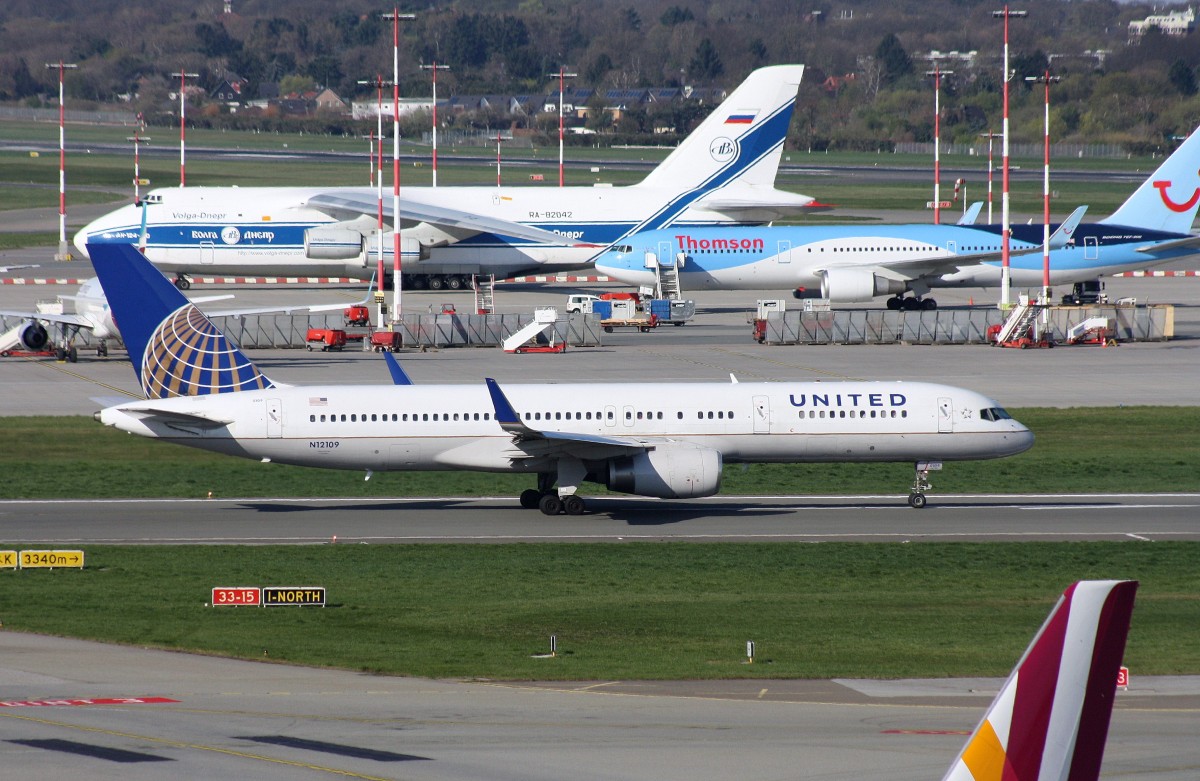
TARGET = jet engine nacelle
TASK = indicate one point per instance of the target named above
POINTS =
(670, 472)
(333, 242)
(851, 286)
(34, 337)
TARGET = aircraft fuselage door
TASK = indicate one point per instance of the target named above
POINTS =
(208, 252)
(665, 256)
(1091, 248)
(762, 414)
(952, 247)
(785, 252)
(274, 418)
(945, 415)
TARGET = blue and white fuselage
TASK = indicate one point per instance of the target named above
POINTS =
(722, 173)
(850, 263)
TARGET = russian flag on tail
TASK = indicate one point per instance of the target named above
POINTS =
(741, 118)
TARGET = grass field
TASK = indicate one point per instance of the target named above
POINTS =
(619, 611)
(1135, 449)
(115, 170)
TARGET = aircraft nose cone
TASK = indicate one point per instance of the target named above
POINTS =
(1022, 440)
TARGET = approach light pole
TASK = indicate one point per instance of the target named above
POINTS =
(63, 252)
(990, 136)
(563, 75)
(1006, 227)
(1047, 80)
(395, 17)
(498, 140)
(434, 67)
(183, 77)
(138, 139)
(377, 171)
(937, 74)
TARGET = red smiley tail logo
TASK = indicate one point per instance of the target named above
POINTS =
(1188, 205)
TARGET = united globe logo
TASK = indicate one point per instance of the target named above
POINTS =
(187, 356)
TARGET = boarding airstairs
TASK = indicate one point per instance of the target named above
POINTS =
(485, 293)
(1025, 327)
(526, 340)
(666, 275)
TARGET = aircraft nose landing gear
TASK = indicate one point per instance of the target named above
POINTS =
(921, 484)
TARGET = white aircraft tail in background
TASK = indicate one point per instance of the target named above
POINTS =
(1050, 720)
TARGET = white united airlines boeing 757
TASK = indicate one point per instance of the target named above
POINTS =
(667, 440)
(722, 173)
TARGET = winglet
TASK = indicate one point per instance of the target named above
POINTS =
(506, 416)
(1050, 719)
(1066, 231)
(971, 214)
(399, 376)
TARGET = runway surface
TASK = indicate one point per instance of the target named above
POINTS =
(1137, 518)
(73, 709)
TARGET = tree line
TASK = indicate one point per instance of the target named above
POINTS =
(866, 85)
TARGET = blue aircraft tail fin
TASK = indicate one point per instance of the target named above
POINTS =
(175, 349)
(1168, 200)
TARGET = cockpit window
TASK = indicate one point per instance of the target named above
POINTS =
(995, 413)
(624, 249)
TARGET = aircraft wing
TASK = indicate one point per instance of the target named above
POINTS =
(937, 265)
(64, 319)
(532, 443)
(346, 205)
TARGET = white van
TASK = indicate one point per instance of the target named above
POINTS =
(581, 303)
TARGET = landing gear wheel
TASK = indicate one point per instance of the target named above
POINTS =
(183, 283)
(454, 282)
(60, 354)
(550, 504)
(916, 501)
(895, 303)
(573, 505)
(530, 498)
(928, 304)
(436, 283)
(910, 304)
(73, 355)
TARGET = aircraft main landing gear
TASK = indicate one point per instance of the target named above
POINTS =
(182, 282)
(911, 304)
(549, 500)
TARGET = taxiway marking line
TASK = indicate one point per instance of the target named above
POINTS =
(195, 746)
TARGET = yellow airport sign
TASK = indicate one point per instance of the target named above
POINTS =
(293, 595)
(48, 559)
(8, 559)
